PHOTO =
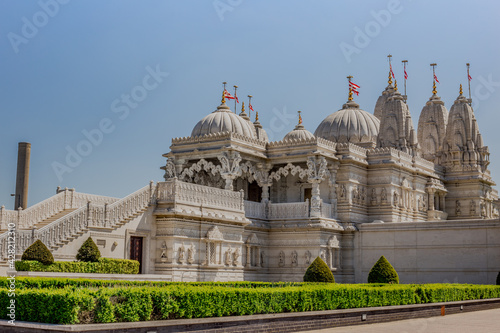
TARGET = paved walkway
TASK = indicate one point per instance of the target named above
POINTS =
(486, 321)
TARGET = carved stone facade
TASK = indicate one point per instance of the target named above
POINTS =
(234, 206)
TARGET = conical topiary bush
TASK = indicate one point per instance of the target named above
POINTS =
(39, 252)
(318, 271)
(88, 252)
(383, 272)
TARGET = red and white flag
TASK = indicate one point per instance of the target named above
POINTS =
(354, 87)
(406, 75)
(469, 77)
(250, 106)
(227, 94)
(393, 76)
(236, 96)
(435, 78)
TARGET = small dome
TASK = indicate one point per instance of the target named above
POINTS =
(350, 124)
(223, 120)
(299, 133)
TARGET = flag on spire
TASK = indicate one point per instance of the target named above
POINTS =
(406, 75)
(469, 77)
(393, 76)
(250, 107)
(354, 87)
(436, 79)
(236, 96)
(227, 94)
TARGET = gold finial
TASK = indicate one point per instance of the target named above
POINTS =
(257, 116)
(300, 118)
(461, 92)
(242, 106)
(395, 85)
(350, 88)
(434, 91)
(390, 67)
(224, 93)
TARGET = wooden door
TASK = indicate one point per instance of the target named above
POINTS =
(136, 250)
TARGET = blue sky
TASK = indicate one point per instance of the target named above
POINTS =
(67, 68)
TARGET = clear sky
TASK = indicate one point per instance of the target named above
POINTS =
(100, 88)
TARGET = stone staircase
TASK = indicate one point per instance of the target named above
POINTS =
(53, 218)
(69, 224)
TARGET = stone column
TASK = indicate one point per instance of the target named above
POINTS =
(315, 199)
(248, 263)
(431, 199)
(265, 193)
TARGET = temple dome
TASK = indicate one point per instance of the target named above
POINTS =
(223, 120)
(350, 124)
(299, 133)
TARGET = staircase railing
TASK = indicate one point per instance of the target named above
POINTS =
(65, 199)
(54, 234)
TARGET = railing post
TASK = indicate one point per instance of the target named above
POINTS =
(151, 191)
(2, 213)
(106, 216)
(19, 213)
(89, 214)
(242, 199)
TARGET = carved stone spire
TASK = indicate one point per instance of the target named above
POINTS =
(396, 125)
(463, 143)
(432, 127)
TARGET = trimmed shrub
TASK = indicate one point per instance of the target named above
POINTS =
(38, 252)
(318, 271)
(88, 252)
(383, 272)
(498, 279)
(103, 266)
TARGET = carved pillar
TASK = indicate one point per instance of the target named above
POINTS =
(431, 199)
(230, 163)
(265, 193)
(315, 199)
(316, 169)
(247, 264)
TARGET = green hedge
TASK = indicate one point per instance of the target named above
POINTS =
(47, 282)
(76, 305)
(104, 265)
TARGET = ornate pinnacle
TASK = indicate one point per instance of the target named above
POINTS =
(242, 106)
(395, 85)
(223, 98)
(434, 91)
(257, 116)
(350, 94)
(300, 117)
(461, 92)
(390, 78)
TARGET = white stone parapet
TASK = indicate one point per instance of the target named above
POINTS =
(176, 191)
(288, 210)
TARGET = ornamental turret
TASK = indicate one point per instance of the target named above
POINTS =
(396, 126)
(432, 126)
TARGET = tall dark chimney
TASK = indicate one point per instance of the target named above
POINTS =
(23, 172)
